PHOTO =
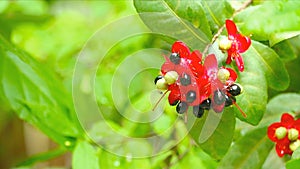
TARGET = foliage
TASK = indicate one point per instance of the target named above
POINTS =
(44, 43)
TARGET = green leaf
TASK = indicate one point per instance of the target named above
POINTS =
(278, 37)
(35, 93)
(288, 102)
(285, 51)
(161, 18)
(249, 152)
(274, 25)
(194, 160)
(253, 100)
(214, 132)
(43, 156)
(193, 12)
(85, 156)
(270, 63)
(293, 164)
(296, 154)
(273, 161)
(217, 12)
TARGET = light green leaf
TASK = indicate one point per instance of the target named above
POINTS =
(288, 102)
(278, 37)
(85, 156)
(249, 152)
(296, 154)
(274, 25)
(273, 161)
(162, 19)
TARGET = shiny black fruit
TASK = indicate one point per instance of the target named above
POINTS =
(198, 111)
(181, 107)
(234, 89)
(206, 104)
(190, 96)
(175, 58)
(185, 79)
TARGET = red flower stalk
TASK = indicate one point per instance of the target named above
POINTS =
(285, 134)
(239, 44)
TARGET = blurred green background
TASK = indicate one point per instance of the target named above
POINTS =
(53, 32)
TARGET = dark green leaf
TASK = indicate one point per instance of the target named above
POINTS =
(249, 152)
(270, 63)
(285, 51)
(85, 156)
(193, 12)
(253, 100)
(274, 25)
(293, 164)
(293, 70)
(217, 12)
(33, 91)
(214, 132)
(161, 18)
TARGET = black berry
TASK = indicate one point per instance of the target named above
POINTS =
(234, 89)
(185, 79)
(198, 111)
(181, 107)
(175, 58)
(190, 96)
(206, 104)
(219, 97)
(157, 78)
(229, 100)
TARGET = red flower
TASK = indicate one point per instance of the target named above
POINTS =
(218, 80)
(284, 133)
(239, 44)
(192, 83)
(192, 76)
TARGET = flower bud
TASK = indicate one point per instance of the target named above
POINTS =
(161, 84)
(280, 132)
(223, 75)
(294, 145)
(224, 44)
(293, 134)
(171, 77)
